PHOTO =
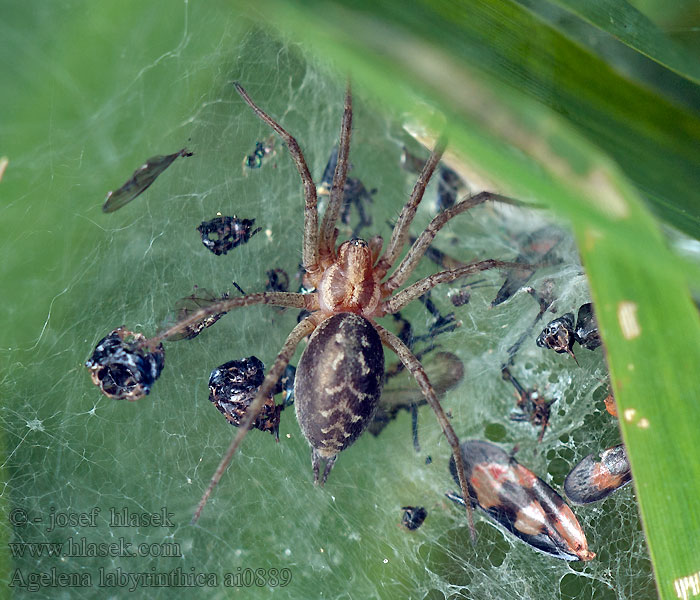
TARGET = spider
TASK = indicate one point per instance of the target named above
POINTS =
(341, 371)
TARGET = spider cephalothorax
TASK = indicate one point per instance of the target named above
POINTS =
(340, 374)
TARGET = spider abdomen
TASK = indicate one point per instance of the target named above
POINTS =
(338, 382)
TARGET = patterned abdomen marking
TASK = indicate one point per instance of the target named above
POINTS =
(338, 382)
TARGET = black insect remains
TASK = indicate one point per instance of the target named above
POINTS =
(277, 280)
(232, 388)
(558, 335)
(122, 368)
(413, 517)
(561, 333)
(184, 307)
(141, 180)
(595, 478)
(537, 247)
(230, 232)
(586, 331)
(531, 406)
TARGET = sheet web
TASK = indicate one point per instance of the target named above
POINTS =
(72, 450)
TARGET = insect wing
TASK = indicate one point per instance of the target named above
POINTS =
(592, 480)
(537, 247)
(413, 517)
(586, 331)
(445, 371)
(140, 181)
(185, 307)
(558, 335)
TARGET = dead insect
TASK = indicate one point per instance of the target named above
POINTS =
(230, 232)
(354, 194)
(413, 517)
(341, 371)
(558, 335)
(537, 247)
(184, 307)
(262, 150)
(232, 389)
(531, 405)
(140, 181)
(444, 369)
(122, 368)
(520, 502)
(586, 330)
(595, 478)
(277, 280)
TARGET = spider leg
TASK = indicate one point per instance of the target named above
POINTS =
(400, 232)
(297, 334)
(421, 245)
(418, 372)
(335, 202)
(415, 290)
(310, 248)
(288, 299)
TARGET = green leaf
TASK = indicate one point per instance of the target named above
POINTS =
(624, 22)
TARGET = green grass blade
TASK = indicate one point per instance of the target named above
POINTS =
(631, 27)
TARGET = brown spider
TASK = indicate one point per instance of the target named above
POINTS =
(340, 373)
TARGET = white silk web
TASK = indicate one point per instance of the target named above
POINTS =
(69, 449)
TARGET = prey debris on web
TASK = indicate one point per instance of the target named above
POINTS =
(596, 477)
(229, 231)
(520, 502)
(122, 367)
(141, 180)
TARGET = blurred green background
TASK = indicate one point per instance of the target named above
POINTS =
(592, 111)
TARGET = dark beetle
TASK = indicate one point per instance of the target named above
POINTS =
(596, 478)
(338, 383)
(586, 331)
